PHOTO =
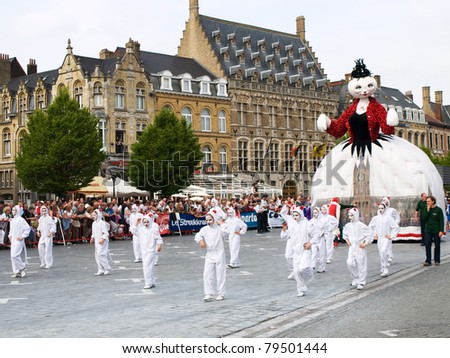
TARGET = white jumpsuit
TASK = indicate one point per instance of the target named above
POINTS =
(396, 216)
(47, 228)
(215, 270)
(99, 232)
(149, 238)
(384, 225)
(298, 234)
(19, 229)
(357, 233)
(236, 228)
(134, 217)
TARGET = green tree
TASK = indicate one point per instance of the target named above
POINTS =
(166, 155)
(62, 150)
(436, 160)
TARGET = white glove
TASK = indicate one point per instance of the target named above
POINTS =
(392, 118)
(323, 122)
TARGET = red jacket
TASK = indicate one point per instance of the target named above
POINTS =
(376, 116)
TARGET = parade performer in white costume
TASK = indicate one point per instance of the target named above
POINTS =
(18, 232)
(211, 237)
(134, 218)
(300, 238)
(358, 236)
(385, 230)
(329, 225)
(46, 231)
(390, 211)
(100, 237)
(236, 227)
(372, 157)
(151, 243)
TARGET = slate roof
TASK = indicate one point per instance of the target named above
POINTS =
(157, 62)
(48, 77)
(234, 38)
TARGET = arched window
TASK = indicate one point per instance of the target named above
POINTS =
(222, 122)
(119, 95)
(140, 97)
(98, 94)
(78, 93)
(6, 143)
(187, 115)
(206, 120)
(207, 159)
(223, 160)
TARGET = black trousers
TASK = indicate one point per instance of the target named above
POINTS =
(437, 246)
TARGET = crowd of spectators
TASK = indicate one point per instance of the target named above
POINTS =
(74, 215)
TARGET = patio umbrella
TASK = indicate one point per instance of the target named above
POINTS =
(179, 196)
(95, 188)
(197, 198)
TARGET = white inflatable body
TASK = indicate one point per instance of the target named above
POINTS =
(398, 170)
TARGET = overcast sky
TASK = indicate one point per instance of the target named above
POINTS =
(407, 43)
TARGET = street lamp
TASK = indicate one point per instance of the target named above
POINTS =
(113, 174)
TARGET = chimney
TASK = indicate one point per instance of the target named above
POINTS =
(426, 94)
(409, 94)
(438, 107)
(134, 47)
(193, 9)
(105, 54)
(301, 27)
(31, 67)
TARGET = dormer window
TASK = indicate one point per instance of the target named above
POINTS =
(241, 56)
(222, 88)
(166, 81)
(205, 83)
(232, 39)
(262, 45)
(216, 36)
(225, 52)
(302, 51)
(186, 83)
(270, 61)
(276, 47)
(247, 42)
(289, 50)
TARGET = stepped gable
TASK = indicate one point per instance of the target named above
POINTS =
(252, 49)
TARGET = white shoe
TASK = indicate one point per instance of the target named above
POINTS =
(354, 284)
(329, 261)
(301, 294)
(390, 259)
(385, 273)
(137, 261)
(320, 271)
(47, 267)
(42, 266)
(106, 273)
(359, 287)
(16, 275)
(208, 298)
(149, 286)
(291, 276)
(23, 273)
(220, 298)
(98, 273)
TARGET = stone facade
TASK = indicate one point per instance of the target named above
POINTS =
(277, 89)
